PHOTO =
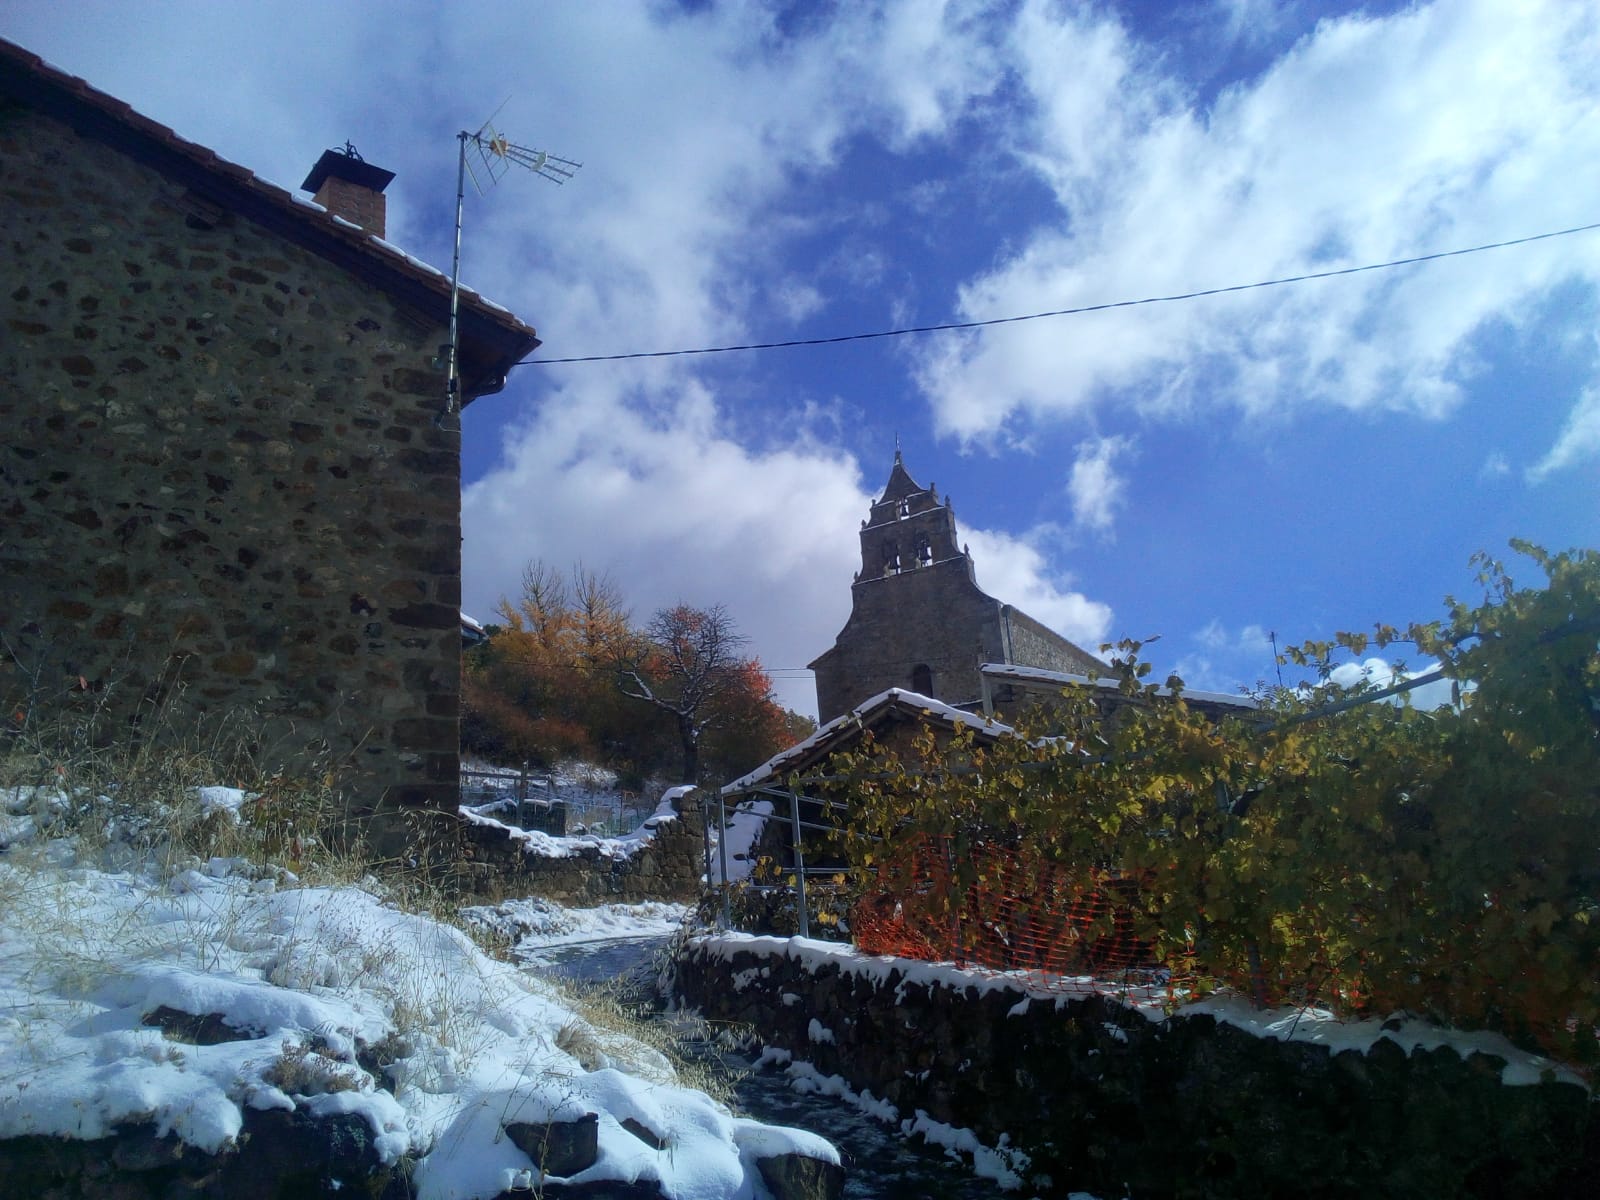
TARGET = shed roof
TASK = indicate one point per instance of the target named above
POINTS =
(492, 338)
(885, 706)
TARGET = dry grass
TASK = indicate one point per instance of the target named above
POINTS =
(302, 1070)
(136, 804)
(618, 1027)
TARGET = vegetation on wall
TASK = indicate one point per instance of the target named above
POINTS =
(566, 674)
(1377, 858)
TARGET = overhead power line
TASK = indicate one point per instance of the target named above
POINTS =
(1059, 312)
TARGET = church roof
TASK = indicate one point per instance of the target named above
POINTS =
(900, 483)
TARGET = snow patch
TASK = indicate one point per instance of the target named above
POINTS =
(306, 977)
(1003, 1164)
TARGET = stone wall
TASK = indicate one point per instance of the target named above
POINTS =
(931, 616)
(1031, 644)
(276, 1155)
(223, 490)
(1105, 1100)
(492, 862)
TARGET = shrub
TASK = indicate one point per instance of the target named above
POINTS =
(1371, 857)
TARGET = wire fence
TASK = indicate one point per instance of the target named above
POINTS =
(520, 797)
(1022, 917)
(1018, 915)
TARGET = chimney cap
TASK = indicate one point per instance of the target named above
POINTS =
(346, 164)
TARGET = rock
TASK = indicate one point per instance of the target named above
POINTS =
(561, 1148)
(294, 1154)
(796, 1177)
(642, 1132)
(139, 1149)
(207, 1029)
(277, 1154)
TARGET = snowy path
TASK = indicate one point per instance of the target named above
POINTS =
(880, 1164)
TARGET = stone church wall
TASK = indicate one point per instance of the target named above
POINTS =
(931, 616)
(222, 489)
(1035, 645)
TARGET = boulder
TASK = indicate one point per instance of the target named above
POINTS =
(561, 1148)
(797, 1177)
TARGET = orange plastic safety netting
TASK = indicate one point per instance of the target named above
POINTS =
(1018, 914)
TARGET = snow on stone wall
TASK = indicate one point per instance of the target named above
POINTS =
(1115, 1098)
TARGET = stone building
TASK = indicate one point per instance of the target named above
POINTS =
(228, 486)
(918, 619)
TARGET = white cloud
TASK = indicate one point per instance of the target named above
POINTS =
(1215, 636)
(1252, 22)
(1226, 660)
(1012, 569)
(1494, 467)
(798, 300)
(1578, 441)
(674, 509)
(1373, 138)
(1095, 488)
(1381, 674)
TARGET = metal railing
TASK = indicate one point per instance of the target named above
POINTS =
(536, 806)
(796, 867)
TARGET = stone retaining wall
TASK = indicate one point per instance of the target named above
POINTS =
(1106, 1100)
(493, 863)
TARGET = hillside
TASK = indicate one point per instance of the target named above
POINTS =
(170, 1009)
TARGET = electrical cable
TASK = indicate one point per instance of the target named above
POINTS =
(1059, 312)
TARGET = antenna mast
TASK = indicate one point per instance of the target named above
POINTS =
(496, 156)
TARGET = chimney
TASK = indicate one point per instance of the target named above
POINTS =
(349, 187)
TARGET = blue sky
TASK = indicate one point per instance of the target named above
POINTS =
(1297, 460)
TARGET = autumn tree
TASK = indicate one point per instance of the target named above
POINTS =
(687, 664)
(538, 690)
(544, 687)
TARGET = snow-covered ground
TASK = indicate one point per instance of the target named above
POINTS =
(91, 947)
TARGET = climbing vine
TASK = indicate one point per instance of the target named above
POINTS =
(1375, 858)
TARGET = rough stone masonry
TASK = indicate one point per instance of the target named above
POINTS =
(224, 489)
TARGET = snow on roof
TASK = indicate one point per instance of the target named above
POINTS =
(1040, 675)
(861, 716)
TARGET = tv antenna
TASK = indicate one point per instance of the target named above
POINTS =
(495, 155)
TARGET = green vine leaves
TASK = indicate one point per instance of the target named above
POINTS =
(1374, 858)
